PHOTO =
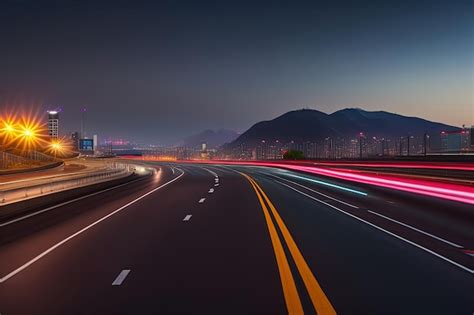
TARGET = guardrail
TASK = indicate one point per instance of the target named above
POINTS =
(66, 182)
(8, 160)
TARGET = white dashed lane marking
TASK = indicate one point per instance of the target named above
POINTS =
(121, 277)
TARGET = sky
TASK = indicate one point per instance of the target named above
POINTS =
(157, 71)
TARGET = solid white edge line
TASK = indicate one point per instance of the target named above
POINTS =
(187, 217)
(378, 214)
(416, 229)
(121, 277)
(383, 230)
(317, 192)
(66, 203)
(49, 250)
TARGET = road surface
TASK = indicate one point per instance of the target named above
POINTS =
(210, 239)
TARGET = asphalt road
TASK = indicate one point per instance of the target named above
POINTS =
(208, 239)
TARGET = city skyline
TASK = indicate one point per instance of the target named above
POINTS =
(178, 69)
(72, 122)
(236, 157)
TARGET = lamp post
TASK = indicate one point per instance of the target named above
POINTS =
(55, 147)
(8, 132)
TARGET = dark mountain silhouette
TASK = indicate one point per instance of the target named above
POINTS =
(213, 138)
(313, 125)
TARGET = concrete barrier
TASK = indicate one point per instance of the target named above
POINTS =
(32, 169)
(63, 183)
(10, 211)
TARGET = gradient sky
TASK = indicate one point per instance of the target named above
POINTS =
(159, 70)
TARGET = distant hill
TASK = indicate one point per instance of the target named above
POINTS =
(213, 138)
(312, 125)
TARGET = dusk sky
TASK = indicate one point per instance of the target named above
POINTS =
(156, 71)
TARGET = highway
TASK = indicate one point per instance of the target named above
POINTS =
(216, 239)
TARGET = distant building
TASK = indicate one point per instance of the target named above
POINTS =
(204, 154)
(75, 137)
(86, 146)
(466, 138)
(455, 141)
(472, 137)
(53, 124)
(95, 141)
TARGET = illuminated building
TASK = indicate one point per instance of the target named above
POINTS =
(86, 146)
(75, 137)
(455, 141)
(95, 141)
(53, 124)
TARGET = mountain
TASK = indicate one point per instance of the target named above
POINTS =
(310, 125)
(213, 138)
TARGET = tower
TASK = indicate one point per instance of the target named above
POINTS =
(83, 123)
(53, 124)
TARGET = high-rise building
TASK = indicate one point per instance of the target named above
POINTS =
(96, 142)
(455, 141)
(53, 124)
(75, 137)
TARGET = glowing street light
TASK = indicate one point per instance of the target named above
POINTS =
(8, 128)
(29, 135)
(8, 131)
(58, 147)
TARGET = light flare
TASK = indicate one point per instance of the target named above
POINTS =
(31, 134)
(59, 147)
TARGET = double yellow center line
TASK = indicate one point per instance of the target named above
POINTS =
(318, 298)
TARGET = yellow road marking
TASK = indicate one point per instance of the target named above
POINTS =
(319, 299)
(292, 299)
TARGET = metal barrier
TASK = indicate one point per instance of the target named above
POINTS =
(115, 170)
(8, 160)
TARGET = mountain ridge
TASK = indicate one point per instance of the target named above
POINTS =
(213, 138)
(312, 125)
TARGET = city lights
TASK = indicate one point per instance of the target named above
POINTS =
(8, 129)
(30, 134)
(24, 133)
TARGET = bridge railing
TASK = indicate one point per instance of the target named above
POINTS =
(8, 160)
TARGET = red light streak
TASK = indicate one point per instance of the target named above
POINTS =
(458, 166)
(447, 191)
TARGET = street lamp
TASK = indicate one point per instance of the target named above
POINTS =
(28, 136)
(8, 131)
(56, 147)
